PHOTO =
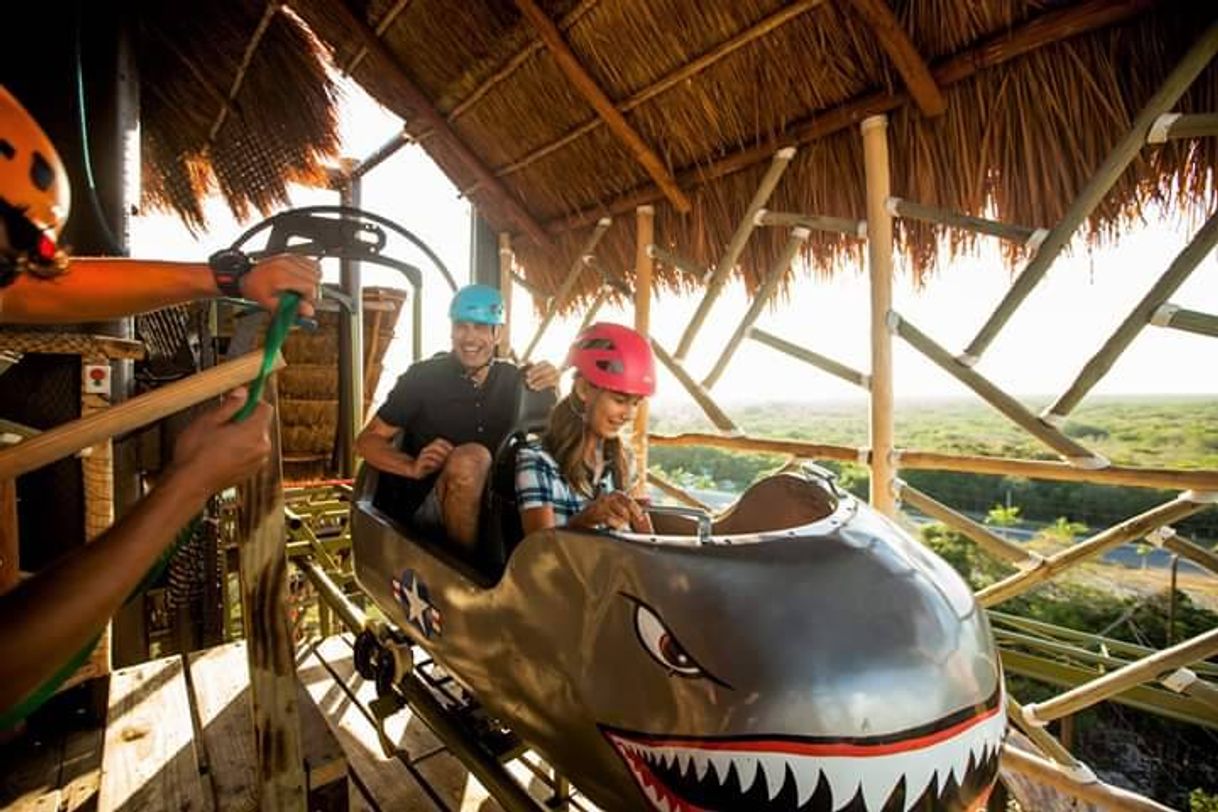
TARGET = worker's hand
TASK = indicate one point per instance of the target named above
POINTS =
(283, 272)
(431, 458)
(214, 453)
(615, 510)
(540, 375)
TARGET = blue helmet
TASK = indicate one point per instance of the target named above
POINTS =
(480, 304)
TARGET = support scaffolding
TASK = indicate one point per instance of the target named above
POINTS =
(564, 291)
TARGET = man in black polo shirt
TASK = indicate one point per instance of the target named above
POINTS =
(452, 411)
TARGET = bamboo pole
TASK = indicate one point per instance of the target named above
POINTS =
(677, 492)
(573, 68)
(594, 308)
(1170, 315)
(10, 550)
(903, 54)
(1159, 478)
(1185, 681)
(681, 263)
(978, 225)
(794, 448)
(1128, 530)
(1122, 155)
(98, 427)
(1000, 400)
(644, 239)
(672, 79)
(1169, 539)
(816, 222)
(329, 595)
(568, 284)
(808, 356)
(761, 298)
(1106, 796)
(700, 395)
(778, 165)
(1185, 262)
(268, 13)
(505, 287)
(879, 267)
(381, 27)
(1043, 739)
(279, 764)
(1201, 647)
(1170, 126)
(1055, 26)
(991, 542)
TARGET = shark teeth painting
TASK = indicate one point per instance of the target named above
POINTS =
(949, 765)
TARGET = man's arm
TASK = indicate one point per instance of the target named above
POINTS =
(46, 619)
(96, 289)
(376, 445)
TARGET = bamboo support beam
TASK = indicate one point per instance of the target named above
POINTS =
(986, 539)
(671, 80)
(1170, 315)
(900, 49)
(644, 239)
(816, 222)
(574, 70)
(279, 764)
(529, 287)
(1046, 741)
(505, 287)
(677, 492)
(424, 115)
(381, 27)
(881, 425)
(761, 298)
(817, 360)
(1148, 669)
(778, 166)
(1168, 539)
(59, 442)
(1171, 126)
(1133, 528)
(331, 596)
(793, 448)
(1055, 26)
(568, 284)
(1000, 400)
(681, 263)
(1186, 261)
(1106, 796)
(1027, 236)
(1185, 681)
(700, 395)
(268, 14)
(1122, 155)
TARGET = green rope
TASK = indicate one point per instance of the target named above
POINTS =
(277, 333)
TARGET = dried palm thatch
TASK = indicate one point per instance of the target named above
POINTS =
(1021, 135)
(279, 126)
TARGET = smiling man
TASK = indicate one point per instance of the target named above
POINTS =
(452, 411)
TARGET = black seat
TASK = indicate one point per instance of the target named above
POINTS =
(499, 528)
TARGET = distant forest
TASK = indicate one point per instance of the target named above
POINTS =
(1168, 432)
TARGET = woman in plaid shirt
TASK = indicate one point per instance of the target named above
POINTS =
(579, 473)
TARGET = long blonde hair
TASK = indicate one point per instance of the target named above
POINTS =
(564, 440)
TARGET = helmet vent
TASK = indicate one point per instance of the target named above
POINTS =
(7, 149)
(41, 172)
(597, 344)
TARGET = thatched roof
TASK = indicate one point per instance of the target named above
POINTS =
(1036, 93)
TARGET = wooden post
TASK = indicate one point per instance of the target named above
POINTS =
(644, 239)
(264, 600)
(1000, 400)
(978, 225)
(1170, 315)
(10, 549)
(879, 263)
(778, 165)
(1201, 647)
(700, 395)
(1198, 249)
(1097, 187)
(1174, 542)
(1170, 126)
(761, 298)
(808, 356)
(505, 287)
(568, 284)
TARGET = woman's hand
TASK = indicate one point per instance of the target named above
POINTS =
(615, 510)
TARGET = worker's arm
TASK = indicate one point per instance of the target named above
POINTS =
(97, 289)
(49, 617)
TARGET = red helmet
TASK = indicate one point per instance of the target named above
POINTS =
(614, 357)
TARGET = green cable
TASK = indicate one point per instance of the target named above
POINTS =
(277, 333)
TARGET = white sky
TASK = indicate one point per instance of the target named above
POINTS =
(1042, 348)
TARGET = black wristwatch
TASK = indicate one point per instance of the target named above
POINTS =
(228, 265)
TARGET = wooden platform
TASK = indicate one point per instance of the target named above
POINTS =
(175, 733)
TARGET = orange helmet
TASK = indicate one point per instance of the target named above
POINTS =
(33, 183)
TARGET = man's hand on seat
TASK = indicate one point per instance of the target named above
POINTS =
(432, 458)
(540, 375)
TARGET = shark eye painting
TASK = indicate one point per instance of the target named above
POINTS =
(661, 644)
